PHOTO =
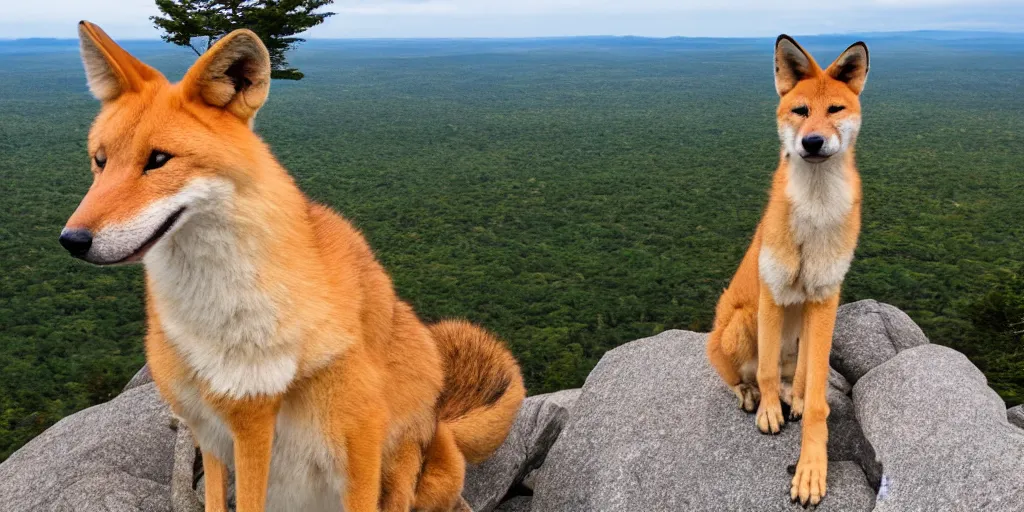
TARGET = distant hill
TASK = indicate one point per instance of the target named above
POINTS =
(434, 46)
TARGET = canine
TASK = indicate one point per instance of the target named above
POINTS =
(773, 325)
(272, 330)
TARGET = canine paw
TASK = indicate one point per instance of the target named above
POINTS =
(796, 409)
(769, 416)
(748, 396)
(462, 506)
(786, 393)
(808, 486)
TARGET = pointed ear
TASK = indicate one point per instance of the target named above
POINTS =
(792, 64)
(851, 67)
(109, 70)
(233, 75)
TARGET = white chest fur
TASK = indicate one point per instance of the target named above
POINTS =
(820, 202)
(210, 303)
(213, 310)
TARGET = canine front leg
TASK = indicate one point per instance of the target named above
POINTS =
(363, 469)
(769, 334)
(216, 483)
(808, 485)
(252, 425)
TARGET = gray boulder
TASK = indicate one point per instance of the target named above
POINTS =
(537, 425)
(1016, 415)
(941, 434)
(187, 461)
(142, 377)
(838, 382)
(115, 456)
(869, 333)
(846, 441)
(655, 429)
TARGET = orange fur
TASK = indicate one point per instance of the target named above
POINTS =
(773, 324)
(480, 376)
(305, 359)
(216, 475)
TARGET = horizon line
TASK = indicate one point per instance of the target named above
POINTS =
(590, 36)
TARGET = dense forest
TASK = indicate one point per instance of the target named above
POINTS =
(569, 194)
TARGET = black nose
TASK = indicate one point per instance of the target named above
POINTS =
(813, 143)
(76, 241)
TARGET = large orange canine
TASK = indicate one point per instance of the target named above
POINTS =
(272, 330)
(773, 324)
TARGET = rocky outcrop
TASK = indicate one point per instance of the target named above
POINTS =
(1016, 415)
(869, 333)
(538, 424)
(114, 456)
(913, 427)
(941, 434)
(654, 429)
(141, 378)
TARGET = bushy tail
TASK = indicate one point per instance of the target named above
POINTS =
(483, 388)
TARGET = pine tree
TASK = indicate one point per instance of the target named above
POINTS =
(197, 24)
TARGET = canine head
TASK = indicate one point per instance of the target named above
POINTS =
(819, 110)
(162, 153)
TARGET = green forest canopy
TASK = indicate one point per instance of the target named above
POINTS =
(571, 195)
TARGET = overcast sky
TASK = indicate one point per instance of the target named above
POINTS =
(530, 18)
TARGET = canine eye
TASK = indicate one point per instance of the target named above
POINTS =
(100, 158)
(836, 108)
(801, 111)
(157, 159)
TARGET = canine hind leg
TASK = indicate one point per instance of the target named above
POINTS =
(444, 470)
(398, 476)
(732, 351)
